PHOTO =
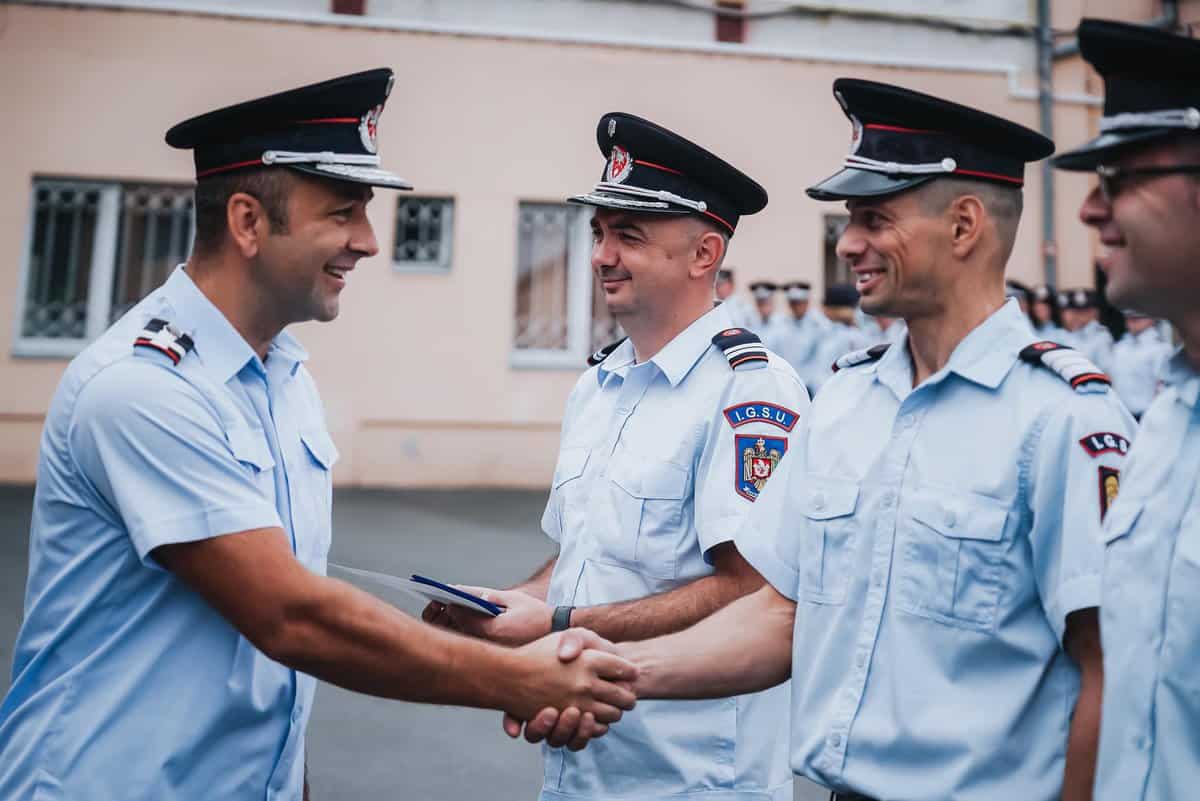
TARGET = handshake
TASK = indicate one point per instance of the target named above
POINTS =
(565, 688)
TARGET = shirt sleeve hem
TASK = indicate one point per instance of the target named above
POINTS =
(201, 525)
(759, 552)
(1078, 593)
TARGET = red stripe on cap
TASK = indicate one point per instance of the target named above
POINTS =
(898, 129)
(721, 221)
(657, 166)
(993, 175)
(228, 167)
(331, 120)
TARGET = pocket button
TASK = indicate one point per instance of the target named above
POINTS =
(951, 518)
(818, 501)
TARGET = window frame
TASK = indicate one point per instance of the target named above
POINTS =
(100, 277)
(443, 265)
(579, 296)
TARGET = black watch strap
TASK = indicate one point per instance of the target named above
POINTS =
(561, 620)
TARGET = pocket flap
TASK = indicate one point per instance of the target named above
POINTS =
(1120, 520)
(961, 515)
(825, 498)
(571, 463)
(650, 479)
(320, 446)
(250, 446)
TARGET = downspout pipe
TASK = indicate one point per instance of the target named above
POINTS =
(1045, 72)
(1168, 21)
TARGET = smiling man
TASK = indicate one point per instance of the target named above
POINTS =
(1146, 209)
(934, 532)
(666, 442)
(177, 615)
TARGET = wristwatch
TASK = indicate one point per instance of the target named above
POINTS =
(561, 620)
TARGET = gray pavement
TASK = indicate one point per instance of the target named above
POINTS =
(367, 748)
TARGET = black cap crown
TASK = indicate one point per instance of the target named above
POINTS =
(326, 129)
(1151, 88)
(903, 139)
(651, 169)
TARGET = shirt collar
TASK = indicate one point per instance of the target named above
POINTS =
(219, 346)
(984, 356)
(677, 358)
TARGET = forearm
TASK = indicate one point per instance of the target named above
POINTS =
(538, 585)
(349, 638)
(745, 647)
(1083, 741)
(668, 612)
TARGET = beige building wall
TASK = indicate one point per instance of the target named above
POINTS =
(416, 372)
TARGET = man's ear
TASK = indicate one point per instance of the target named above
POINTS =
(708, 251)
(967, 218)
(247, 223)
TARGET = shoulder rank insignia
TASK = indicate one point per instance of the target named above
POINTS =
(166, 338)
(1071, 365)
(742, 348)
(857, 357)
(602, 354)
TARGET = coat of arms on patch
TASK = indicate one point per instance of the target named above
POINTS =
(756, 458)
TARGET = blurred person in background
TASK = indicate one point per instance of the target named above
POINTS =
(843, 335)
(725, 291)
(1086, 333)
(1044, 314)
(797, 337)
(1138, 361)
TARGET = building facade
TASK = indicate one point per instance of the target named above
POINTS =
(458, 343)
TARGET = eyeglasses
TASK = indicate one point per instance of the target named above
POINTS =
(1112, 179)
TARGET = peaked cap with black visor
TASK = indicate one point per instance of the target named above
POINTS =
(328, 129)
(1151, 88)
(650, 169)
(902, 139)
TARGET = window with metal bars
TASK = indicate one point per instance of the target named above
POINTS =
(94, 250)
(560, 318)
(424, 234)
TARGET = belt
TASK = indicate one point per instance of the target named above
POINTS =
(836, 796)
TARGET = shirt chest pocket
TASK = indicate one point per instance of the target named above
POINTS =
(249, 446)
(826, 556)
(313, 490)
(648, 500)
(953, 557)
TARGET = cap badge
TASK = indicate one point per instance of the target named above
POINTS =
(368, 129)
(612, 127)
(620, 164)
(856, 134)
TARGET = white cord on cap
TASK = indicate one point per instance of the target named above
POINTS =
(657, 194)
(946, 165)
(323, 157)
(1168, 118)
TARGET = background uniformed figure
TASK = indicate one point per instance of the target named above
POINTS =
(763, 315)
(798, 335)
(1146, 210)
(177, 615)
(1085, 331)
(1138, 361)
(665, 444)
(1045, 316)
(842, 335)
(935, 528)
(726, 292)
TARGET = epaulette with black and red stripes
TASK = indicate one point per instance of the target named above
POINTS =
(1068, 363)
(743, 349)
(163, 337)
(857, 357)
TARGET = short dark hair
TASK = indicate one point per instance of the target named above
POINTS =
(270, 186)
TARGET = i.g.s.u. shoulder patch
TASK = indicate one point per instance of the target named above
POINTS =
(1068, 363)
(857, 357)
(755, 458)
(602, 354)
(743, 349)
(163, 337)
(1110, 485)
(761, 412)
(1104, 442)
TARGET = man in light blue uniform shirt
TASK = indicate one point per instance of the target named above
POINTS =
(934, 533)
(1146, 209)
(177, 616)
(666, 442)
(1138, 360)
(798, 336)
